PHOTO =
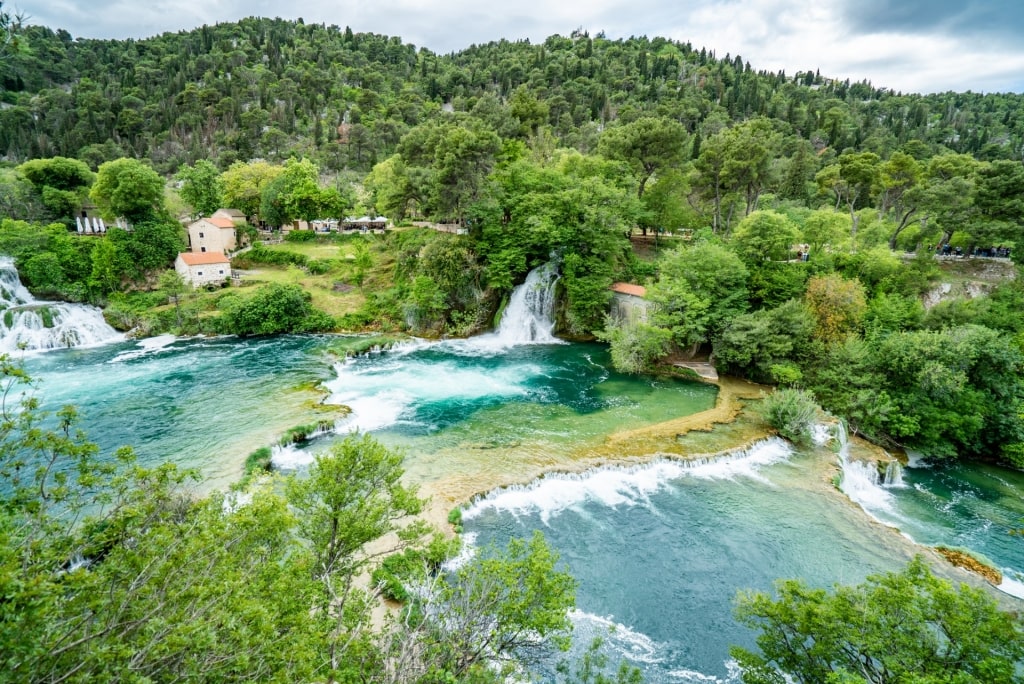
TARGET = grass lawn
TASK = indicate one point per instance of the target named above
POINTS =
(321, 287)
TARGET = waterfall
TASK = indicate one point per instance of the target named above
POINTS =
(861, 480)
(530, 314)
(27, 323)
(893, 475)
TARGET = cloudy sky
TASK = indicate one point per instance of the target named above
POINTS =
(910, 45)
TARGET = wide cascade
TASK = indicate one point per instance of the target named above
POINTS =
(530, 314)
(30, 324)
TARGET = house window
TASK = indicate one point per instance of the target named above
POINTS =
(202, 249)
(221, 271)
(200, 235)
(199, 273)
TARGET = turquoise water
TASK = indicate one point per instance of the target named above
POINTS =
(972, 506)
(660, 550)
(202, 403)
(473, 413)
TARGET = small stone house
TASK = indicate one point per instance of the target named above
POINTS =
(628, 303)
(213, 234)
(203, 268)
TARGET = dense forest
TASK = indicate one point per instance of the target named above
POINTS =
(272, 89)
(792, 227)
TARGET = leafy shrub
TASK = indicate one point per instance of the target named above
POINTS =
(256, 462)
(273, 309)
(300, 236)
(319, 266)
(400, 569)
(793, 412)
(260, 254)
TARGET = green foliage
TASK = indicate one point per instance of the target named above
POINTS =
(699, 289)
(243, 185)
(256, 463)
(950, 390)
(455, 516)
(592, 668)
(895, 627)
(793, 412)
(201, 187)
(531, 596)
(128, 188)
(636, 347)
(825, 227)
(838, 306)
(114, 571)
(260, 254)
(303, 433)
(765, 236)
(300, 236)
(751, 344)
(274, 309)
(411, 566)
(649, 145)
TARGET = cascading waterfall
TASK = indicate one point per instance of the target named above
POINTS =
(530, 314)
(893, 475)
(861, 481)
(30, 324)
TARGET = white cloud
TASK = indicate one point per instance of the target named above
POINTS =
(770, 34)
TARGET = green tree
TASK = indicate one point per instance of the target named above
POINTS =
(62, 183)
(908, 626)
(352, 496)
(824, 227)
(510, 607)
(174, 286)
(838, 306)
(698, 290)
(244, 183)
(201, 187)
(852, 180)
(635, 346)
(736, 162)
(763, 236)
(649, 145)
(128, 188)
(758, 345)
(949, 390)
(114, 571)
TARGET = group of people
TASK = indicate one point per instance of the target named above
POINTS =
(948, 250)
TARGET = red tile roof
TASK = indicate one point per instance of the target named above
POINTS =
(629, 289)
(221, 222)
(203, 258)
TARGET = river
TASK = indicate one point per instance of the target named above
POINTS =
(660, 548)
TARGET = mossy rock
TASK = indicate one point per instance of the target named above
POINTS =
(962, 558)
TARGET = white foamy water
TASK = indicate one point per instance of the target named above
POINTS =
(1012, 587)
(625, 642)
(290, 457)
(862, 483)
(734, 675)
(33, 325)
(615, 486)
(383, 391)
(466, 553)
(145, 346)
(529, 317)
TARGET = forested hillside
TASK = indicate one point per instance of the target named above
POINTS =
(271, 88)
